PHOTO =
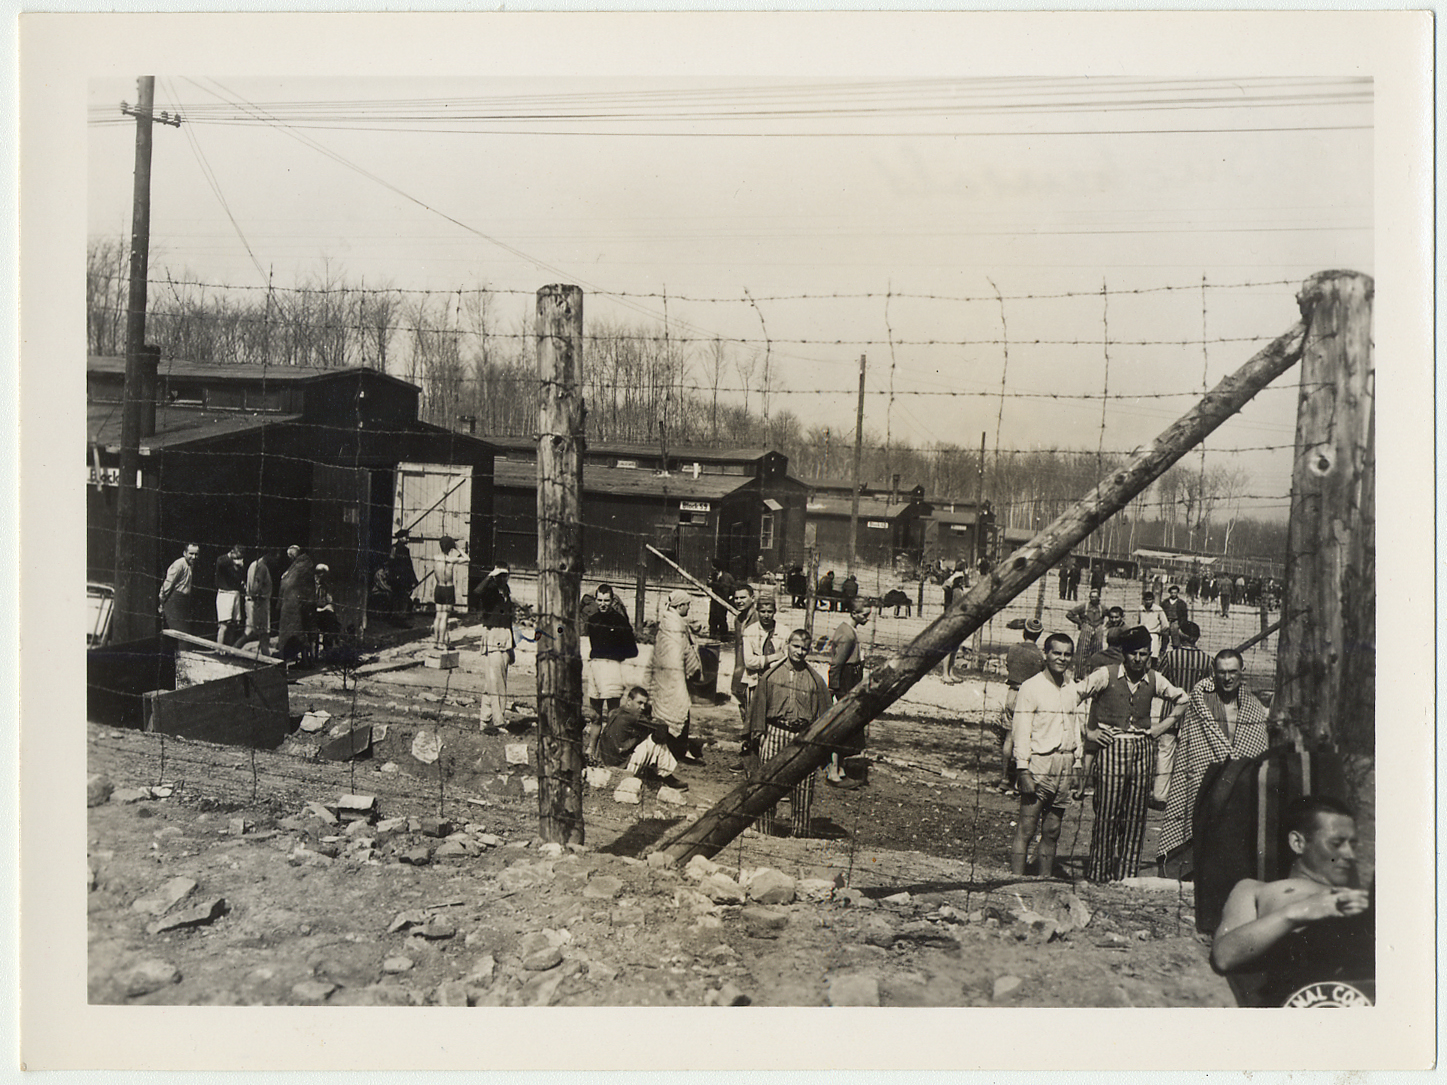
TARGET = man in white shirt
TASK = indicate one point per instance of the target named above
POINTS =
(1155, 621)
(1048, 748)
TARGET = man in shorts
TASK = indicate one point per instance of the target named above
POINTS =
(1048, 748)
(444, 595)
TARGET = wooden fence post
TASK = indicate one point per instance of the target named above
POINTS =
(1326, 652)
(560, 563)
(736, 811)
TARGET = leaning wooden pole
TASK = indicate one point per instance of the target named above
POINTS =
(560, 564)
(1326, 654)
(970, 610)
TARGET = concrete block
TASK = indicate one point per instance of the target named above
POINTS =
(597, 776)
(441, 661)
(628, 791)
(516, 753)
(672, 796)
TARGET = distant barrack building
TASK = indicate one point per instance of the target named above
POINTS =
(334, 460)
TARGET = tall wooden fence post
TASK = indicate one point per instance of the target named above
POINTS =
(1007, 579)
(560, 563)
(1326, 653)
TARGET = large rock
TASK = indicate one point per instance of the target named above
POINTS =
(1046, 900)
(516, 753)
(769, 919)
(204, 912)
(721, 889)
(543, 959)
(672, 796)
(815, 890)
(769, 886)
(148, 975)
(98, 788)
(171, 894)
(853, 990)
(603, 887)
(313, 990)
(1006, 986)
(629, 791)
(700, 867)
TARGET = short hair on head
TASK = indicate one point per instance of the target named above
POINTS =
(635, 690)
(802, 633)
(1300, 815)
(1113, 611)
(603, 589)
(745, 587)
(1229, 653)
(1058, 637)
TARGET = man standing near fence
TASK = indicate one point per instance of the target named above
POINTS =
(1122, 727)
(1182, 666)
(494, 600)
(1047, 755)
(230, 571)
(258, 604)
(1176, 610)
(175, 600)
(790, 696)
(846, 670)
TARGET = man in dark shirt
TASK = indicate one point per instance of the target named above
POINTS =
(230, 575)
(631, 737)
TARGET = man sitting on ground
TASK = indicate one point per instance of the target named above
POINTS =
(631, 737)
(1310, 932)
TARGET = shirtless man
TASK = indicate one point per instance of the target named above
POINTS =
(1294, 929)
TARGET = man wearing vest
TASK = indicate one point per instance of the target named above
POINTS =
(1122, 725)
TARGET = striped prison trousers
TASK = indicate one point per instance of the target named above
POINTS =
(1126, 770)
(800, 800)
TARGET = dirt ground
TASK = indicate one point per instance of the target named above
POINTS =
(220, 875)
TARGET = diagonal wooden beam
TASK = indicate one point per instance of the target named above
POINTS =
(732, 814)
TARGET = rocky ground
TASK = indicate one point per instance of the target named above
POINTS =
(225, 876)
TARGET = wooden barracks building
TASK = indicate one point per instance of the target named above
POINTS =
(739, 505)
(334, 460)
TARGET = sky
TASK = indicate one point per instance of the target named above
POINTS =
(928, 224)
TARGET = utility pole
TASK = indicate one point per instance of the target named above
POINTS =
(560, 564)
(134, 607)
(858, 458)
(979, 538)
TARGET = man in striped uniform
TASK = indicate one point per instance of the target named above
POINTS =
(1183, 666)
(1123, 725)
(789, 697)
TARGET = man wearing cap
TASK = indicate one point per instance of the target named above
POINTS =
(763, 646)
(1121, 723)
(675, 660)
(1176, 610)
(1047, 754)
(1153, 618)
(1023, 661)
(1183, 666)
(444, 594)
(494, 602)
(1089, 619)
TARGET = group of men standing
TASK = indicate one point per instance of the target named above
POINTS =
(1105, 727)
(245, 595)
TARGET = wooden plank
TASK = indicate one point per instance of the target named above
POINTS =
(970, 610)
(694, 581)
(253, 655)
(243, 710)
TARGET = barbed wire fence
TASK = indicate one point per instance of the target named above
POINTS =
(969, 770)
